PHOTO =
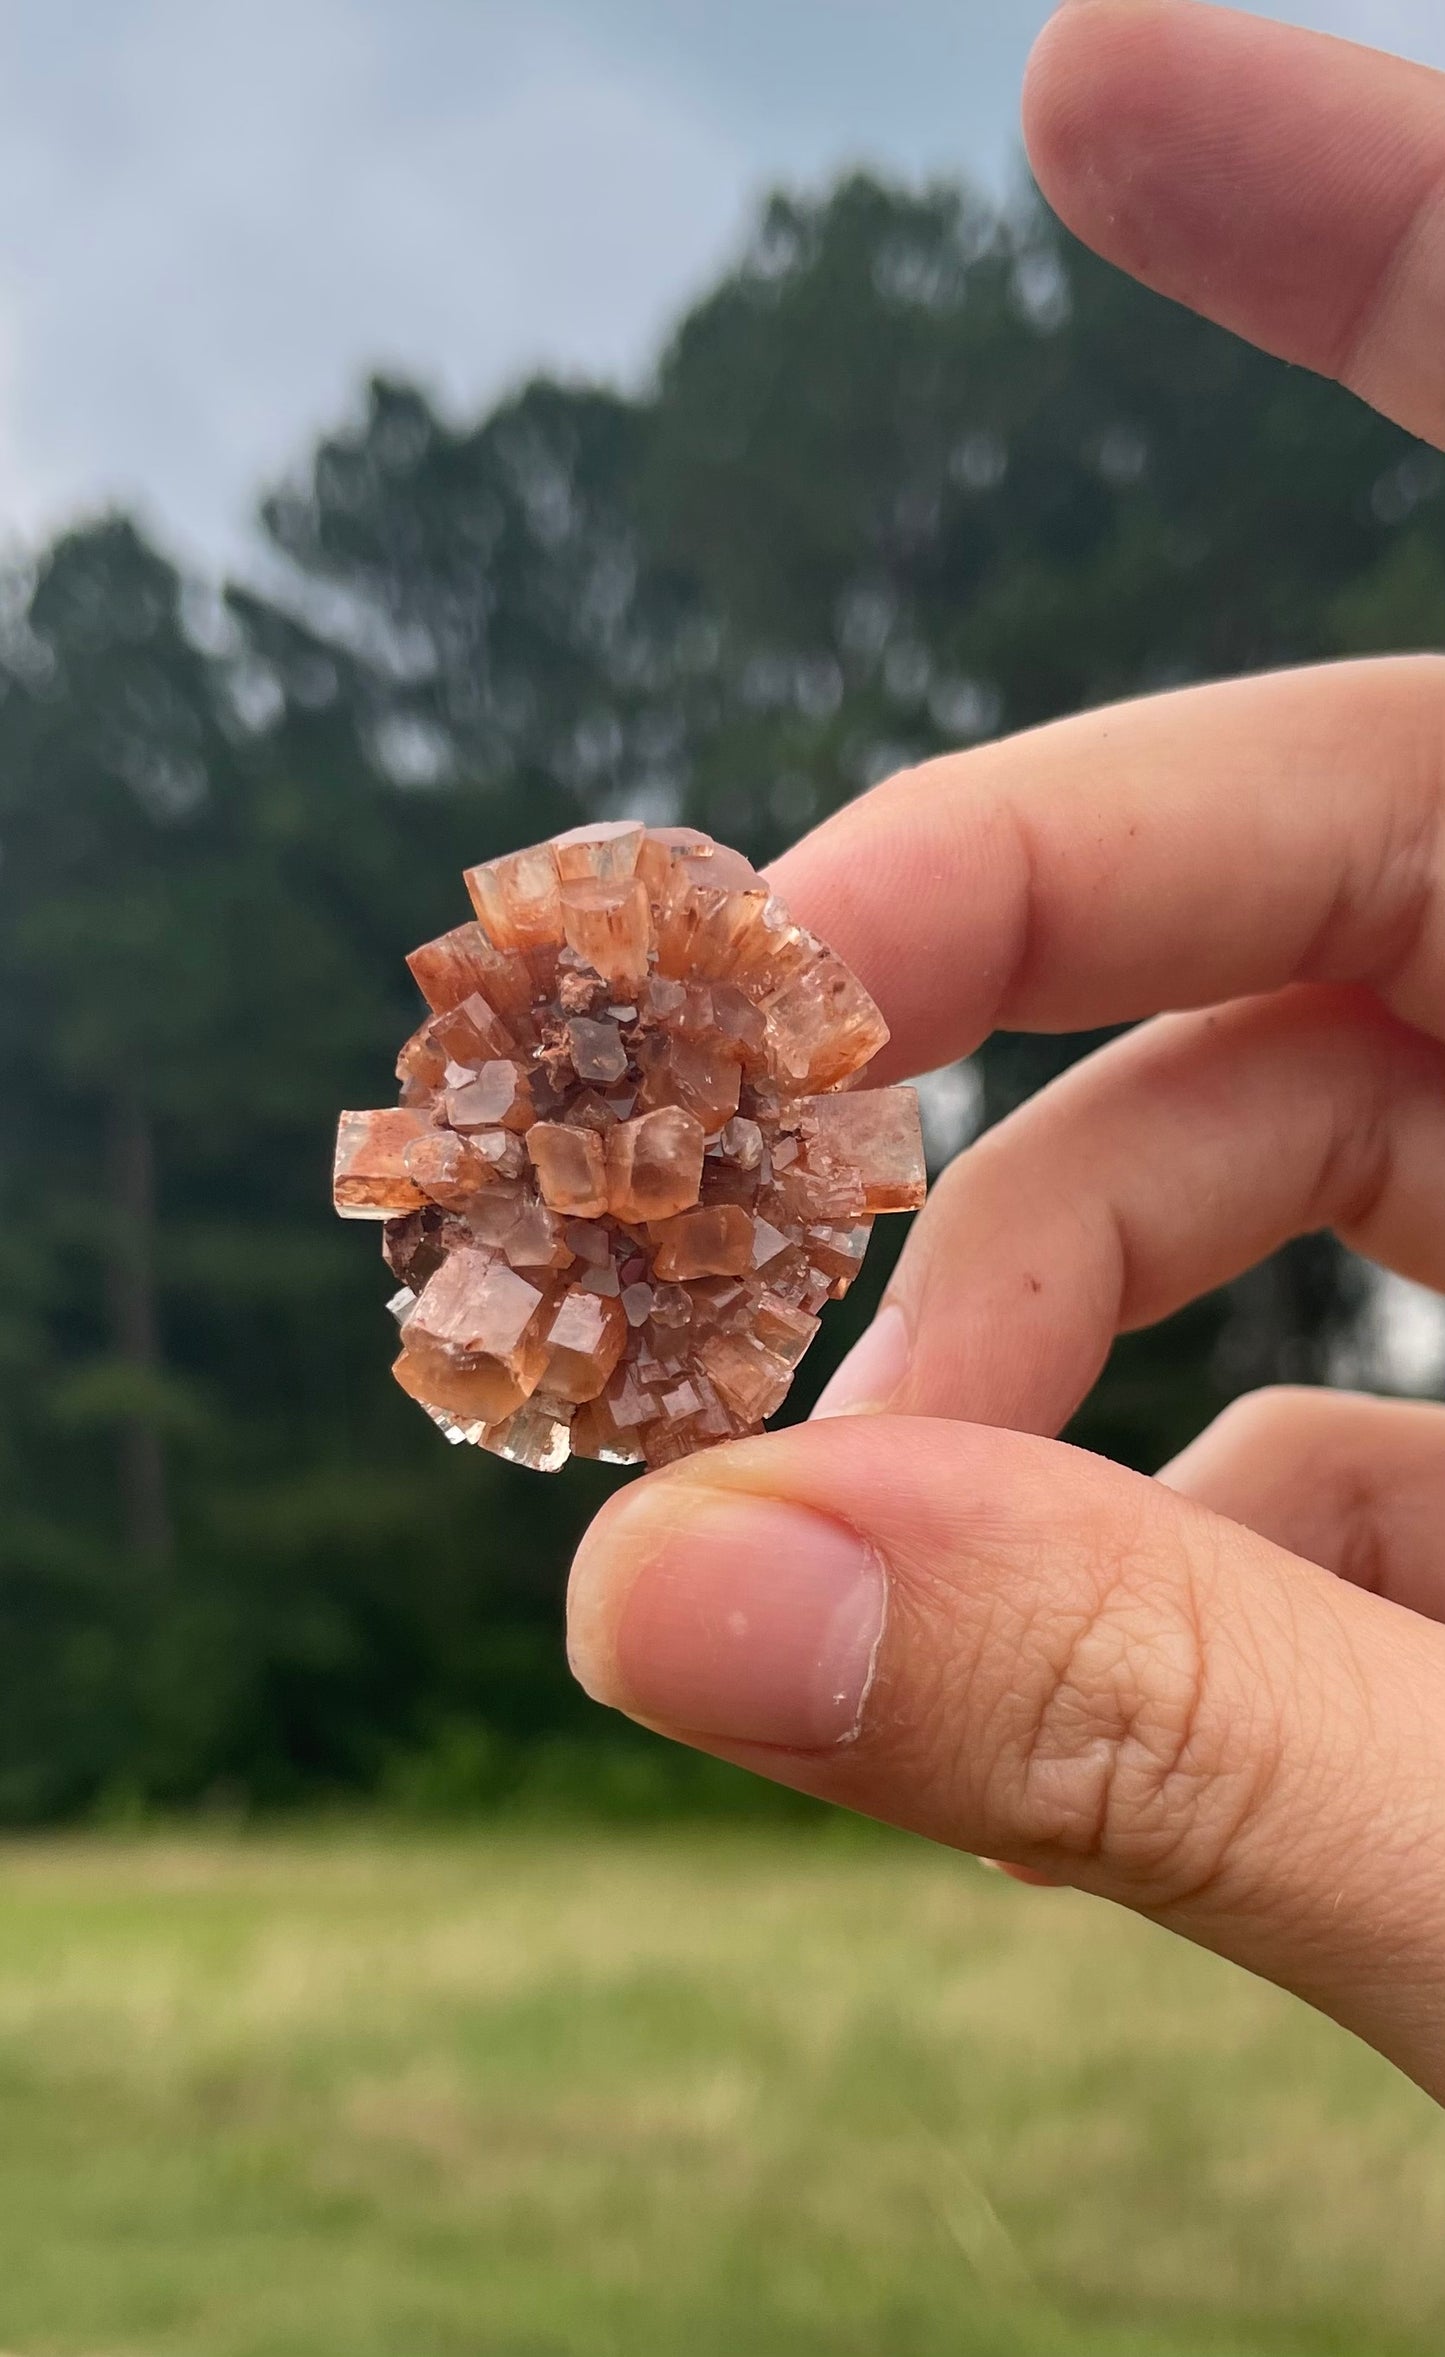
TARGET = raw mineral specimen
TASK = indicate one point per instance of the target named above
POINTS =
(628, 1166)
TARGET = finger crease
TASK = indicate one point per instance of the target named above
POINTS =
(1358, 1168)
(1395, 900)
(1363, 1557)
(1018, 964)
(1126, 1291)
(1363, 322)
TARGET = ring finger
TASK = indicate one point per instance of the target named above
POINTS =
(1356, 1485)
(1161, 1167)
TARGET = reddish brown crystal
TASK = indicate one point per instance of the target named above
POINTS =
(495, 1097)
(717, 1242)
(471, 1032)
(585, 1340)
(870, 1145)
(596, 1050)
(484, 1391)
(532, 1239)
(476, 1308)
(371, 1179)
(622, 1179)
(421, 1065)
(607, 853)
(703, 1076)
(517, 899)
(463, 964)
(608, 923)
(446, 1168)
(749, 1377)
(654, 1165)
(823, 1026)
(571, 1168)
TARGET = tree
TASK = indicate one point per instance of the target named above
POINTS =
(911, 473)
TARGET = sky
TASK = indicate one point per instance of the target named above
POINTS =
(220, 213)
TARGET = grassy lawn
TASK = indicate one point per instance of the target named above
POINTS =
(541, 2095)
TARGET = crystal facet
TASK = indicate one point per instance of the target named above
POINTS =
(654, 1165)
(371, 1179)
(628, 1166)
(571, 1168)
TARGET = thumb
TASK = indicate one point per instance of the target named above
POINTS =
(1015, 1648)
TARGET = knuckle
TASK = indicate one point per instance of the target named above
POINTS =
(1274, 1418)
(1131, 1756)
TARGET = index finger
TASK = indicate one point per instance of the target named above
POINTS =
(1211, 844)
(1287, 184)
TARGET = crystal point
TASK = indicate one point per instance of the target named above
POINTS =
(371, 1179)
(875, 1137)
(496, 1097)
(475, 1307)
(608, 923)
(654, 1165)
(585, 1340)
(717, 1242)
(571, 1168)
(518, 899)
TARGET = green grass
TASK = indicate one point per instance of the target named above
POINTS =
(546, 2095)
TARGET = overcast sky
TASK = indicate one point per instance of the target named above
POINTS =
(218, 213)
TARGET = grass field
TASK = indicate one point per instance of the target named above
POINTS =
(546, 2095)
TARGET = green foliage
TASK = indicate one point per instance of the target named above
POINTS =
(911, 473)
(537, 2092)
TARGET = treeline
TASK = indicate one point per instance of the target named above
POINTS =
(913, 473)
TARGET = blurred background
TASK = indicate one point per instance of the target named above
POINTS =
(423, 426)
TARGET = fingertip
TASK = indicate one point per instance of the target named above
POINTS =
(1077, 79)
(1033, 1876)
(592, 1613)
(1261, 174)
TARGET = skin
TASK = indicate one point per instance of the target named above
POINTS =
(1216, 1696)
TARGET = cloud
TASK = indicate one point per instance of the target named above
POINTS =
(218, 216)
(226, 214)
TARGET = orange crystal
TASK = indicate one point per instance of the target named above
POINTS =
(628, 1167)
(585, 1340)
(463, 963)
(517, 899)
(717, 1242)
(654, 1165)
(484, 1391)
(494, 1096)
(873, 1139)
(371, 1179)
(608, 923)
(475, 1307)
(571, 1168)
(447, 1168)
(608, 853)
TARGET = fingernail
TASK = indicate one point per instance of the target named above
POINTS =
(1029, 1874)
(730, 1616)
(873, 1370)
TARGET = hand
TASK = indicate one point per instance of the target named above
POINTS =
(1218, 1697)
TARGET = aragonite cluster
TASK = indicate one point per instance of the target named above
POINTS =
(627, 1168)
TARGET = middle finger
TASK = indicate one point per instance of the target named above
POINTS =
(1175, 852)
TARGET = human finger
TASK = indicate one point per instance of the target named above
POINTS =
(1015, 1648)
(1153, 1171)
(1354, 1484)
(1287, 184)
(1175, 852)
